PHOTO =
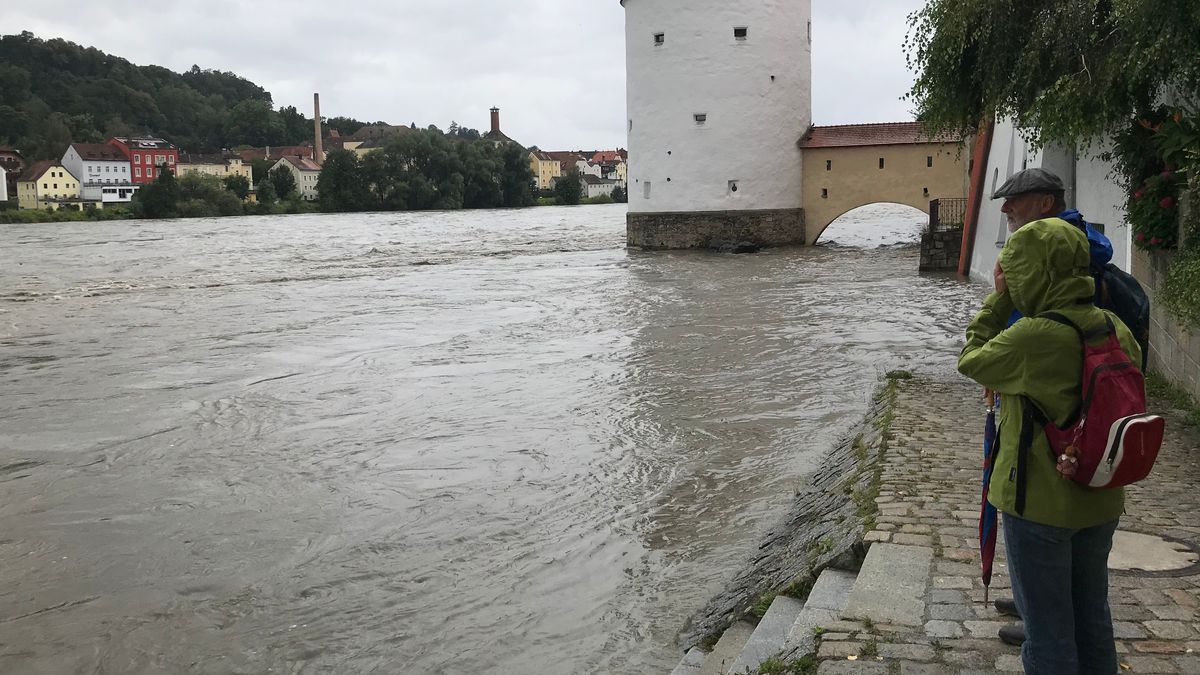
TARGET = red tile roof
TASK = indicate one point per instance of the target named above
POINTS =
(36, 170)
(856, 135)
(273, 152)
(100, 152)
(609, 157)
(302, 163)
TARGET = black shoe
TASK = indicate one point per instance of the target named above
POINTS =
(1007, 606)
(1013, 635)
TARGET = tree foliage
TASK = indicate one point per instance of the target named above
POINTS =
(568, 189)
(283, 182)
(340, 186)
(1064, 70)
(53, 92)
(238, 185)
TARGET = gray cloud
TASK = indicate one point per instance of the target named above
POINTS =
(556, 69)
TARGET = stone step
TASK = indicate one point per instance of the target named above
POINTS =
(770, 634)
(727, 648)
(890, 587)
(824, 605)
(691, 663)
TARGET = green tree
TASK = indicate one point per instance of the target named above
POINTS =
(266, 196)
(159, 199)
(254, 122)
(619, 195)
(518, 179)
(238, 185)
(284, 183)
(568, 188)
(340, 186)
(1064, 70)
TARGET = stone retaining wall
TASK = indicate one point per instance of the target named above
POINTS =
(716, 229)
(1174, 348)
(823, 528)
(939, 250)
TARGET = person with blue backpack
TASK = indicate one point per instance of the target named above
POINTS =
(1058, 533)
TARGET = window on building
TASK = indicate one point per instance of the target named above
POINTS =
(929, 160)
(829, 165)
(137, 171)
(45, 186)
(137, 158)
(741, 33)
(810, 32)
(881, 162)
(925, 191)
(170, 159)
(700, 118)
(646, 190)
(56, 186)
(660, 39)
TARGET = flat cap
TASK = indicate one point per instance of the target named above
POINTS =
(1030, 180)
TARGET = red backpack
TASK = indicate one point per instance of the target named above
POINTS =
(1116, 440)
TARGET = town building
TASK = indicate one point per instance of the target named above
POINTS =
(3, 184)
(147, 156)
(594, 186)
(48, 185)
(305, 171)
(220, 165)
(14, 164)
(275, 153)
(104, 173)
(494, 134)
(712, 150)
(545, 168)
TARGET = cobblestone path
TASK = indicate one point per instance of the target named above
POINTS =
(929, 497)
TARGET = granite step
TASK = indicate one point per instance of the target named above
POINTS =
(824, 605)
(770, 634)
(890, 587)
(691, 663)
(727, 648)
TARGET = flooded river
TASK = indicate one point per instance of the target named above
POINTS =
(416, 443)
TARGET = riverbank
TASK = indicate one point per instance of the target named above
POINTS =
(916, 602)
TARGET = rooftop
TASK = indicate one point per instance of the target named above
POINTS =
(302, 163)
(99, 152)
(858, 135)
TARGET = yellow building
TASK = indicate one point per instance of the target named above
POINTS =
(852, 165)
(220, 166)
(545, 168)
(48, 185)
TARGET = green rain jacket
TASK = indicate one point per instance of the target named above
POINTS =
(1045, 267)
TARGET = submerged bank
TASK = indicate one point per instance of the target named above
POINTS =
(824, 526)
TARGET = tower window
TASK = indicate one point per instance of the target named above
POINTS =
(824, 193)
(829, 165)
(881, 162)
(660, 39)
(700, 118)
(741, 33)
(646, 190)
(929, 160)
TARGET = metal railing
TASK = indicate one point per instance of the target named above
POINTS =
(947, 213)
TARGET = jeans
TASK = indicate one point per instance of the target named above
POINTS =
(1060, 585)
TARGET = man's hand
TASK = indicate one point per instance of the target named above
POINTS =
(989, 397)
(998, 279)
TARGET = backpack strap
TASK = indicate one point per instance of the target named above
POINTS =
(1029, 422)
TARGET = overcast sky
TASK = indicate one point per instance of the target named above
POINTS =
(555, 68)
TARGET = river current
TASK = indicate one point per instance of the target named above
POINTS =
(417, 442)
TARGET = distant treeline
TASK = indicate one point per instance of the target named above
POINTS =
(427, 170)
(54, 92)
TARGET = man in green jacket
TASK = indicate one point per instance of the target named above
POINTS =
(1058, 541)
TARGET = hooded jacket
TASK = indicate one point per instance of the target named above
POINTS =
(1045, 267)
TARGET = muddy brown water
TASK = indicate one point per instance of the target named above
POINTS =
(443, 442)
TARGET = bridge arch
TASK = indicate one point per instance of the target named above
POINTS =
(904, 219)
(853, 165)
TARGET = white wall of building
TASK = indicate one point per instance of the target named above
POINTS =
(95, 175)
(1091, 188)
(3, 184)
(586, 167)
(755, 95)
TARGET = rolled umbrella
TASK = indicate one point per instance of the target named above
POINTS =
(987, 512)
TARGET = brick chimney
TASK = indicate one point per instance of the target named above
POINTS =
(318, 152)
(495, 120)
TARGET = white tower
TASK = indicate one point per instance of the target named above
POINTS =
(719, 93)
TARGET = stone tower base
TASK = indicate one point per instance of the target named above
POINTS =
(716, 229)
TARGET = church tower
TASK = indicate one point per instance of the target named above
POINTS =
(719, 94)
